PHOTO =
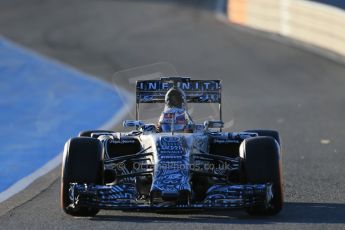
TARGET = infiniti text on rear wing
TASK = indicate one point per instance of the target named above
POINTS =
(196, 91)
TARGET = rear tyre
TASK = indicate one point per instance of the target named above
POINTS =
(88, 133)
(267, 133)
(82, 163)
(262, 164)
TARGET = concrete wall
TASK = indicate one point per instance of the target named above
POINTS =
(312, 22)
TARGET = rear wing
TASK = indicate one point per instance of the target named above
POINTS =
(196, 91)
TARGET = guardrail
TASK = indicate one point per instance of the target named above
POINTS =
(312, 22)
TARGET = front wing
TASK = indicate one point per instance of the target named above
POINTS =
(124, 197)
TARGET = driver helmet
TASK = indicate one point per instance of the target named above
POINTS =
(175, 98)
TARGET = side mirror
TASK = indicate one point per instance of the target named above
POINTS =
(213, 125)
(133, 124)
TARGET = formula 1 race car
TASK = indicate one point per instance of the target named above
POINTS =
(174, 164)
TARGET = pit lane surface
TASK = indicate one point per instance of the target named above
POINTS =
(267, 84)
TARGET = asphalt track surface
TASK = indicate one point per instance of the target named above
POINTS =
(267, 84)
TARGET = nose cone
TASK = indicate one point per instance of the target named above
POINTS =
(171, 178)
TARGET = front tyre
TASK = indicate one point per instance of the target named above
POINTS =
(82, 163)
(262, 165)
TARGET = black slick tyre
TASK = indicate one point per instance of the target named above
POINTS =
(88, 133)
(82, 163)
(267, 133)
(262, 165)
